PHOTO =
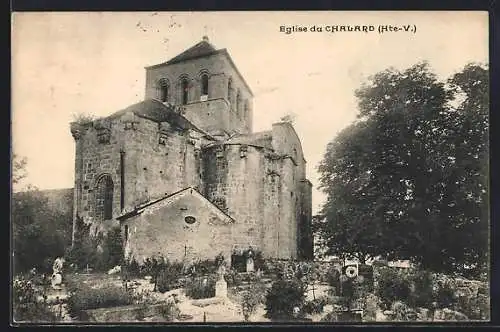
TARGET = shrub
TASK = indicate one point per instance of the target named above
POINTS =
(131, 269)
(200, 287)
(233, 278)
(168, 277)
(170, 312)
(393, 286)
(402, 312)
(251, 298)
(445, 296)
(330, 317)
(204, 267)
(30, 302)
(315, 306)
(85, 298)
(283, 296)
(333, 280)
(370, 307)
(422, 293)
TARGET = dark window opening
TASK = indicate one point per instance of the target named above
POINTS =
(238, 101)
(190, 220)
(204, 85)
(104, 198)
(229, 89)
(126, 233)
(164, 93)
(185, 91)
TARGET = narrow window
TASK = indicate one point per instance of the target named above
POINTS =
(238, 102)
(126, 233)
(204, 85)
(104, 198)
(229, 89)
(163, 90)
(185, 90)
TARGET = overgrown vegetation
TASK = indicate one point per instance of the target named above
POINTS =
(99, 252)
(30, 301)
(40, 233)
(283, 297)
(251, 297)
(82, 297)
(200, 287)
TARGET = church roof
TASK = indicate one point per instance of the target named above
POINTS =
(157, 111)
(173, 197)
(203, 48)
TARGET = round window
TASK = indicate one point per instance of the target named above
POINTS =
(190, 220)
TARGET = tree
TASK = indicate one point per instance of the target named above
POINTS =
(18, 169)
(39, 233)
(409, 177)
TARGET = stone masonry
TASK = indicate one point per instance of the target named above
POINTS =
(193, 131)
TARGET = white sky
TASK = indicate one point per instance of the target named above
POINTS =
(66, 63)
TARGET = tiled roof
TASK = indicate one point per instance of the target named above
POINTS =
(157, 111)
(201, 49)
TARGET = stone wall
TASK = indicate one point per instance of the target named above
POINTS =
(162, 229)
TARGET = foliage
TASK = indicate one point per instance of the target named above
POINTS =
(113, 247)
(233, 278)
(204, 267)
(239, 260)
(251, 298)
(333, 280)
(200, 287)
(445, 296)
(422, 294)
(409, 179)
(315, 306)
(83, 119)
(131, 269)
(40, 233)
(475, 307)
(100, 252)
(402, 312)
(18, 169)
(30, 301)
(393, 286)
(283, 297)
(370, 307)
(169, 276)
(82, 297)
(170, 311)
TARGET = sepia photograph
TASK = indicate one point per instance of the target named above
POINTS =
(315, 167)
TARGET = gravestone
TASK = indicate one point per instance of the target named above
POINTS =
(221, 284)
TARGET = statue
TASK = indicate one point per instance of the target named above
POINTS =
(250, 263)
(57, 269)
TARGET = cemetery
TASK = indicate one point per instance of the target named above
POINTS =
(258, 291)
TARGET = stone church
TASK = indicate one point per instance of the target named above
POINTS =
(184, 175)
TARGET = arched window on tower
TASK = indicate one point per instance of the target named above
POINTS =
(185, 90)
(163, 90)
(204, 85)
(104, 198)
